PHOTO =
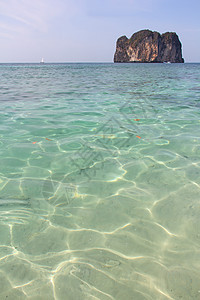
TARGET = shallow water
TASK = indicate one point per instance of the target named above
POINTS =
(100, 181)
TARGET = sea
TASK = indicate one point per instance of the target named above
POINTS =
(99, 181)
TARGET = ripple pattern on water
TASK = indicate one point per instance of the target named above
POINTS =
(99, 181)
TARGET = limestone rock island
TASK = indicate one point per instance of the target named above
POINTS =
(149, 46)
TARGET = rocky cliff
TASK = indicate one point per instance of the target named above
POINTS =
(149, 46)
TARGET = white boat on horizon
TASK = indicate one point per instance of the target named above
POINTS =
(42, 61)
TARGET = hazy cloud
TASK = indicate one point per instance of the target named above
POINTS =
(119, 8)
(32, 13)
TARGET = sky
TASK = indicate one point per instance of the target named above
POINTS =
(87, 30)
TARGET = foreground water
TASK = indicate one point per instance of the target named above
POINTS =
(100, 181)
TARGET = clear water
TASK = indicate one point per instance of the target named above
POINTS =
(100, 181)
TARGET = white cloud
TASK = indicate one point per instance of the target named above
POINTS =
(34, 14)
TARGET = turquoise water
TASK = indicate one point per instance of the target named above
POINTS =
(100, 181)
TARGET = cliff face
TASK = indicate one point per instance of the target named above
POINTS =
(149, 46)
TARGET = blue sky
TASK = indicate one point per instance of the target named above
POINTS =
(87, 30)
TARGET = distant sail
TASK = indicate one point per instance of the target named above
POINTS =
(42, 61)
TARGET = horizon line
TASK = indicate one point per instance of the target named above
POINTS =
(91, 62)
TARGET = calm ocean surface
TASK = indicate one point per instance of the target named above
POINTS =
(99, 181)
